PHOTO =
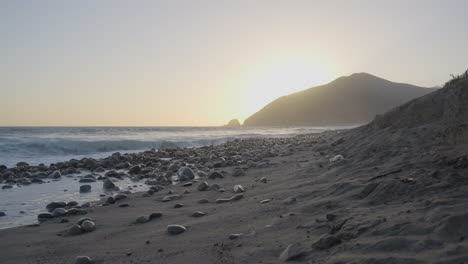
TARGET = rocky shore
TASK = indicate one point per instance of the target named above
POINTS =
(393, 191)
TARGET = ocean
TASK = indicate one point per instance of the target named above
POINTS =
(46, 145)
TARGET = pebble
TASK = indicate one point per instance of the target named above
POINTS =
(108, 184)
(88, 226)
(291, 252)
(178, 205)
(236, 197)
(85, 188)
(289, 200)
(203, 186)
(124, 205)
(265, 201)
(74, 230)
(185, 174)
(198, 214)
(234, 236)
(239, 188)
(176, 229)
(222, 200)
(171, 197)
(83, 219)
(215, 175)
(83, 260)
(59, 212)
(263, 180)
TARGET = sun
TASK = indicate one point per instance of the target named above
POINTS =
(282, 76)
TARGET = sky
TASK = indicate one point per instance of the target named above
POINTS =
(204, 62)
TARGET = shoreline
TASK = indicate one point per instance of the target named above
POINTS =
(381, 201)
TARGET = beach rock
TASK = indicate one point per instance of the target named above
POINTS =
(265, 201)
(55, 175)
(44, 216)
(51, 206)
(108, 184)
(83, 260)
(110, 200)
(2, 214)
(198, 214)
(120, 196)
(123, 205)
(85, 188)
(142, 219)
(185, 174)
(176, 229)
(171, 197)
(74, 230)
(263, 180)
(135, 169)
(203, 186)
(83, 219)
(234, 236)
(203, 201)
(22, 164)
(178, 205)
(238, 188)
(336, 158)
(326, 242)
(291, 252)
(88, 226)
(7, 186)
(222, 200)
(236, 197)
(289, 200)
(72, 203)
(76, 211)
(59, 212)
(214, 187)
(215, 175)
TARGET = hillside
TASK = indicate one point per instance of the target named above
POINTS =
(350, 100)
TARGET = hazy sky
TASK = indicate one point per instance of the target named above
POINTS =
(203, 62)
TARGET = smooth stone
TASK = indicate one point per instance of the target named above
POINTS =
(185, 174)
(291, 252)
(51, 206)
(76, 211)
(85, 188)
(238, 172)
(223, 200)
(289, 200)
(236, 197)
(55, 175)
(2, 214)
(234, 236)
(171, 197)
(124, 205)
(203, 186)
(176, 229)
(263, 180)
(72, 203)
(215, 175)
(239, 188)
(88, 226)
(142, 219)
(198, 214)
(265, 201)
(59, 212)
(120, 196)
(203, 201)
(83, 260)
(83, 219)
(135, 169)
(178, 205)
(44, 216)
(108, 184)
(74, 230)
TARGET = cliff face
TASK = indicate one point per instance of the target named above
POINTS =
(351, 100)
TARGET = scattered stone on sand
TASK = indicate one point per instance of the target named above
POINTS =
(203, 186)
(290, 200)
(83, 260)
(265, 201)
(108, 184)
(239, 188)
(198, 214)
(185, 174)
(223, 200)
(178, 205)
(85, 188)
(74, 230)
(146, 218)
(44, 216)
(120, 196)
(176, 229)
(186, 191)
(51, 206)
(59, 212)
(236, 197)
(215, 175)
(81, 220)
(88, 226)
(263, 180)
(336, 158)
(234, 236)
(171, 198)
(76, 211)
(326, 242)
(214, 187)
(203, 201)
(293, 251)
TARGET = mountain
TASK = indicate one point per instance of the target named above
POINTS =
(349, 100)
